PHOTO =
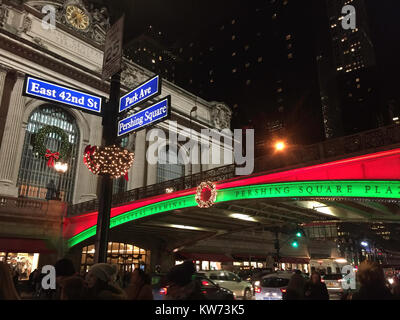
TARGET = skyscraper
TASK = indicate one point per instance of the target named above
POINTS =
(347, 71)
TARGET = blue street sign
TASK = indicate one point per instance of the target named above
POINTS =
(142, 93)
(50, 91)
(157, 112)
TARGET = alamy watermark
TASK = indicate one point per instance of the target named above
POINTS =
(49, 20)
(349, 18)
(209, 146)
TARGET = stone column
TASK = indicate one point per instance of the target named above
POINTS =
(10, 144)
(86, 182)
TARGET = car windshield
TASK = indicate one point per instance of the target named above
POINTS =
(274, 282)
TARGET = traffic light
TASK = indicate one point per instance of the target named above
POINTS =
(295, 244)
(298, 234)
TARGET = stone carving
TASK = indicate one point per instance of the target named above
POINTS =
(3, 14)
(221, 115)
(26, 25)
(99, 17)
(131, 76)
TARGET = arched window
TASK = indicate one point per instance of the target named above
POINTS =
(34, 174)
(169, 166)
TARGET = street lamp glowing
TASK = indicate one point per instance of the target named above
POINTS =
(279, 146)
(61, 167)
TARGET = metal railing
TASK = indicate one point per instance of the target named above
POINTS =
(187, 182)
(357, 144)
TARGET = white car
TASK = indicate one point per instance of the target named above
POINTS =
(272, 286)
(229, 280)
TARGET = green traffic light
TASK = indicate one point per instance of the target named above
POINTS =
(298, 234)
(295, 244)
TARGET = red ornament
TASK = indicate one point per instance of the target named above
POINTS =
(51, 156)
(206, 194)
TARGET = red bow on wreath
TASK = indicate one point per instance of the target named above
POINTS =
(51, 157)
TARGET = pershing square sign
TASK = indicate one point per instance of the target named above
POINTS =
(50, 91)
(157, 112)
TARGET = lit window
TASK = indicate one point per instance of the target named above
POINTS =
(290, 56)
(233, 21)
(234, 70)
(191, 59)
(274, 16)
(233, 37)
(160, 58)
(279, 90)
(288, 37)
(285, 2)
(357, 79)
(247, 65)
(211, 80)
(233, 54)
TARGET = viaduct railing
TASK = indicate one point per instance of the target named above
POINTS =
(296, 156)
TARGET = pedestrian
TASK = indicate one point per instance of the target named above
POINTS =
(181, 284)
(315, 288)
(51, 190)
(296, 288)
(73, 288)
(7, 287)
(101, 282)
(372, 283)
(139, 287)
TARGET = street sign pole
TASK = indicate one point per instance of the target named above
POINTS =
(106, 191)
(111, 66)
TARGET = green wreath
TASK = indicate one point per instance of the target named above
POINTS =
(40, 137)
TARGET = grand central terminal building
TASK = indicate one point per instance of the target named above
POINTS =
(71, 55)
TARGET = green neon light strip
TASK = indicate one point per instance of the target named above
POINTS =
(311, 189)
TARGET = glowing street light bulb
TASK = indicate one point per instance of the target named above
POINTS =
(61, 167)
(280, 145)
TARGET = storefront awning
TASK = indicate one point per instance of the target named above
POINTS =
(19, 245)
(203, 257)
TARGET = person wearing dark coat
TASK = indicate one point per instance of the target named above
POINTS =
(316, 289)
(295, 289)
(371, 279)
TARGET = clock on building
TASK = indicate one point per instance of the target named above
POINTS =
(77, 17)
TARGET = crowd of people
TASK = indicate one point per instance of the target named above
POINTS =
(371, 285)
(101, 283)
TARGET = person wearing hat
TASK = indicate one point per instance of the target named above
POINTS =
(101, 282)
(182, 284)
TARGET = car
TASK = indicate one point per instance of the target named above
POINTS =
(210, 289)
(273, 286)
(229, 280)
(333, 283)
(256, 278)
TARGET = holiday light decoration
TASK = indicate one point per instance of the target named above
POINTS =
(206, 194)
(113, 161)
